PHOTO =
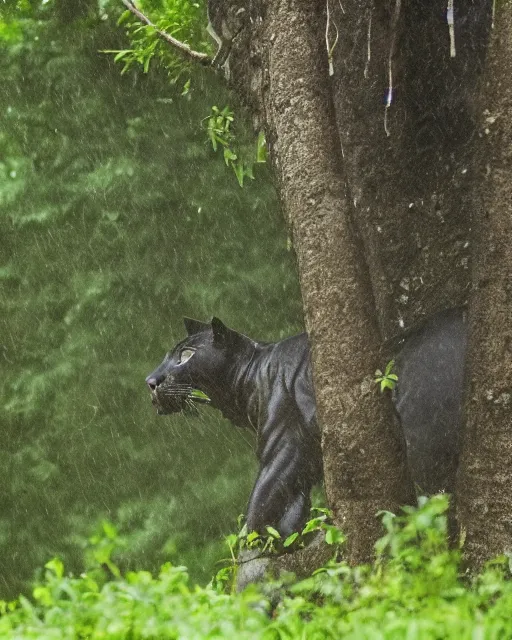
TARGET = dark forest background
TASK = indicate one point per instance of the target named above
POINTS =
(117, 218)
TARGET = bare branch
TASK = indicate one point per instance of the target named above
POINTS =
(181, 47)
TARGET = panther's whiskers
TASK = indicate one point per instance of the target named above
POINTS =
(175, 391)
(170, 387)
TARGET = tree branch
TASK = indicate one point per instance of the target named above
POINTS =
(181, 47)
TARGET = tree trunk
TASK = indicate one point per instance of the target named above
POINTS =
(484, 492)
(364, 458)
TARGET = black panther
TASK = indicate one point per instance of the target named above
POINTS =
(267, 387)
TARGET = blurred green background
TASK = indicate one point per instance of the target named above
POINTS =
(117, 218)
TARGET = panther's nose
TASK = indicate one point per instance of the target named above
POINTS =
(153, 381)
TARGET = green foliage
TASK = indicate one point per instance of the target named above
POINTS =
(220, 133)
(102, 545)
(184, 20)
(387, 380)
(322, 522)
(117, 221)
(272, 543)
(405, 595)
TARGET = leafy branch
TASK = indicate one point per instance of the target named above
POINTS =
(148, 42)
(181, 47)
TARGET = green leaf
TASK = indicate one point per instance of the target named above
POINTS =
(43, 595)
(56, 565)
(213, 139)
(120, 54)
(199, 395)
(229, 156)
(109, 529)
(333, 535)
(261, 148)
(389, 367)
(290, 539)
(273, 532)
(186, 88)
(386, 380)
(254, 535)
(325, 511)
(231, 540)
(239, 172)
(124, 17)
(313, 525)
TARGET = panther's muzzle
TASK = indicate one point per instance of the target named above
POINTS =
(169, 397)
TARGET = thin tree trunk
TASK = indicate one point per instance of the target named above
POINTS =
(484, 492)
(70, 10)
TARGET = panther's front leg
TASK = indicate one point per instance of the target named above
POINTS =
(281, 494)
(296, 514)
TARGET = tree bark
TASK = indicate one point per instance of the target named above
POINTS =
(409, 165)
(485, 480)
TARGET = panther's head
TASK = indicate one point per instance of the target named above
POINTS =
(197, 367)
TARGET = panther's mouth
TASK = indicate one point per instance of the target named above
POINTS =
(168, 399)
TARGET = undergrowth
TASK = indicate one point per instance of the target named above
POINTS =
(414, 590)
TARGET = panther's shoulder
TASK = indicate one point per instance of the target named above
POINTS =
(286, 360)
(294, 344)
(290, 352)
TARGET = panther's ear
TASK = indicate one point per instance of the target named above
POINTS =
(221, 333)
(195, 326)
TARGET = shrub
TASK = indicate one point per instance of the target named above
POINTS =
(414, 590)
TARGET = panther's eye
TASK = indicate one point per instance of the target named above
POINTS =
(185, 355)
